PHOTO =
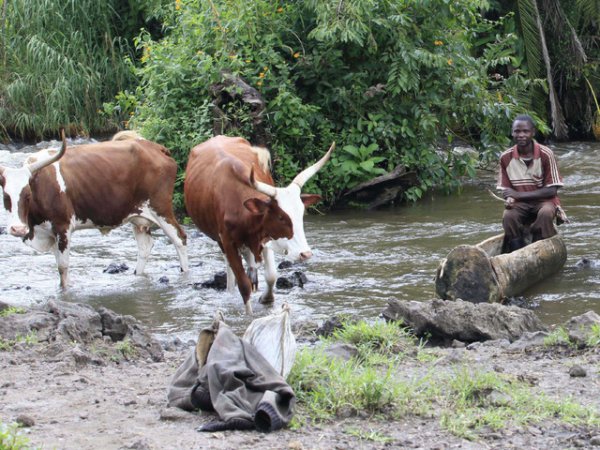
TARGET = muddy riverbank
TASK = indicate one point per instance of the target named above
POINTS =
(94, 393)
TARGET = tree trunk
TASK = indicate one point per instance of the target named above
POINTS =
(478, 273)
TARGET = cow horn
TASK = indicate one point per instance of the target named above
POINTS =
(34, 167)
(307, 173)
(264, 188)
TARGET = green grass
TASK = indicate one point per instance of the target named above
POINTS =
(125, 349)
(594, 337)
(369, 435)
(489, 400)
(11, 310)
(12, 439)
(8, 344)
(327, 387)
(393, 376)
(558, 336)
(376, 342)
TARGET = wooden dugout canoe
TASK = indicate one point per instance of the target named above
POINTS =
(481, 273)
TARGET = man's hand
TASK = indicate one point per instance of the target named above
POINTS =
(526, 196)
(510, 193)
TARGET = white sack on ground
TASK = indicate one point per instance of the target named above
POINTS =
(273, 338)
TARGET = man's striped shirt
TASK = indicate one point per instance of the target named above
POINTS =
(541, 172)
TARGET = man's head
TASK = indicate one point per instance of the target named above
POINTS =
(523, 130)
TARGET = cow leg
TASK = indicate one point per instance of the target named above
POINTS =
(251, 270)
(145, 244)
(270, 275)
(230, 276)
(244, 283)
(177, 237)
(61, 253)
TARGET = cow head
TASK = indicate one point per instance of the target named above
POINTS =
(17, 192)
(275, 222)
(293, 203)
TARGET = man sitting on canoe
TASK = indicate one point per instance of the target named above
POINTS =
(529, 180)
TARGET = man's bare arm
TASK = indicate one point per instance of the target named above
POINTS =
(538, 194)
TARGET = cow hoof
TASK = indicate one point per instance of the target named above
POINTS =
(266, 299)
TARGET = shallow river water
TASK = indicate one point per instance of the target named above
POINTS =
(361, 259)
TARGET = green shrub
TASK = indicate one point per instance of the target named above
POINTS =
(60, 61)
(11, 310)
(392, 82)
(12, 439)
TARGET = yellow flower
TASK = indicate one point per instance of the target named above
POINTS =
(450, 61)
(297, 55)
(265, 68)
(261, 75)
(248, 60)
(280, 9)
(438, 43)
(499, 96)
(259, 83)
(177, 5)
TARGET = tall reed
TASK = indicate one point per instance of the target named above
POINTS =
(61, 60)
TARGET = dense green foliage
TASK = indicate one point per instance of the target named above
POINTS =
(59, 61)
(392, 82)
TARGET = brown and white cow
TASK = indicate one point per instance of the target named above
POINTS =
(100, 185)
(231, 197)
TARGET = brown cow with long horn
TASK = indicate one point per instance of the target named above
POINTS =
(231, 197)
(99, 185)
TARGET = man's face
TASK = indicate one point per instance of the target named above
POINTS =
(522, 133)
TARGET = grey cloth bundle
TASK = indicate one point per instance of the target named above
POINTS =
(230, 376)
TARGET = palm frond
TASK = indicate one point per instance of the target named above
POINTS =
(558, 20)
(589, 10)
(538, 60)
(530, 31)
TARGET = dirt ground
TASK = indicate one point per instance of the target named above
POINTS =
(69, 401)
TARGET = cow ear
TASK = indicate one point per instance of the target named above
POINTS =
(310, 199)
(256, 206)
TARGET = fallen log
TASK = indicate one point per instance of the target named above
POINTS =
(381, 191)
(481, 273)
